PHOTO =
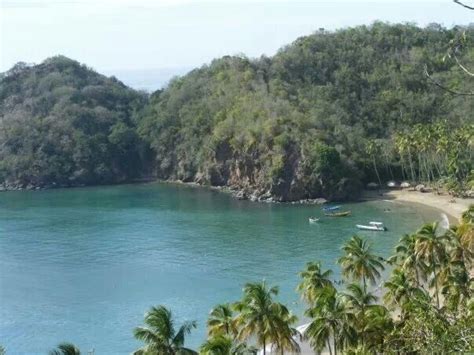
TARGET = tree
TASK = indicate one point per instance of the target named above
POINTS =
(268, 321)
(332, 320)
(430, 248)
(224, 345)
(160, 336)
(399, 291)
(378, 326)
(313, 280)
(359, 262)
(373, 149)
(358, 301)
(65, 349)
(221, 321)
(406, 257)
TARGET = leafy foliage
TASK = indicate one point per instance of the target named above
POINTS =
(326, 113)
(61, 123)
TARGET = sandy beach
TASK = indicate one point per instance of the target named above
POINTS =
(453, 207)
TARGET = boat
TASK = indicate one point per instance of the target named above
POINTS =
(338, 214)
(331, 208)
(372, 226)
(313, 219)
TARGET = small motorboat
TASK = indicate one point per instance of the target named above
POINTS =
(331, 208)
(373, 226)
(338, 214)
(313, 220)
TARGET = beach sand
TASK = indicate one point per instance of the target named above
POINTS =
(453, 207)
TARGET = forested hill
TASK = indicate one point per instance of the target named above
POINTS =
(62, 124)
(322, 118)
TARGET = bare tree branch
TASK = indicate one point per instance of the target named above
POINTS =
(464, 5)
(430, 78)
(462, 66)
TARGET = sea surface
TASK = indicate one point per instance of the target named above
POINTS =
(83, 265)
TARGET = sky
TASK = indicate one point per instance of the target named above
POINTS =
(128, 37)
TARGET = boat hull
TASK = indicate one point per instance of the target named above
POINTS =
(371, 228)
(338, 214)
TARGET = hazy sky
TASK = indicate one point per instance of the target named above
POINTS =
(113, 35)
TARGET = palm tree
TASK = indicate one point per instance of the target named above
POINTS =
(430, 247)
(66, 349)
(373, 149)
(160, 335)
(224, 345)
(406, 257)
(313, 280)
(330, 320)
(378, 324)
(358, 301)
(399, 290)
(359, 262)
(457, 287)
(221, 321)
(264, 319)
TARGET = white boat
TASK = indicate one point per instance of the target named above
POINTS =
(372, 226)
(313, 219)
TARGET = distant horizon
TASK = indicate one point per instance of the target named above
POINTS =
(154, 78)
(125, 35)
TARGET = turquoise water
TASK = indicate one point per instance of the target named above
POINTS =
(83, 265)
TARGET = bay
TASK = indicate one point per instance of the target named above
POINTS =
(83, 265)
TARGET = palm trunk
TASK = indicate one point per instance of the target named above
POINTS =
(435, 282)
(376, 171)
(417, 277)
(329, 346)
(264, 346)
(411, 166)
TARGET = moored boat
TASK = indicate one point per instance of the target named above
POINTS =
(331, 208)
(372, 226)
(338, 214)
(313, 219)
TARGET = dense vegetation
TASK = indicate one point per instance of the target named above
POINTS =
(323, 117)
(424, 306)
(327, 113)
(61, 123)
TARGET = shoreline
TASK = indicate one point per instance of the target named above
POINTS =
(451, 206)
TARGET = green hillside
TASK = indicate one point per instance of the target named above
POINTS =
(326, 115)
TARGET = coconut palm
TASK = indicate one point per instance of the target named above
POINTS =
(458, 286)
(225, 345)
(221, 321)
(430, 247)
(461, 243)
(378, 324)
(65, 349)
(358, 301)
(287, 335)
(331, 320)
(313, 280)
(399, 290)
(160, 335)
(407, 259)
(359, 262)
(265, 320)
